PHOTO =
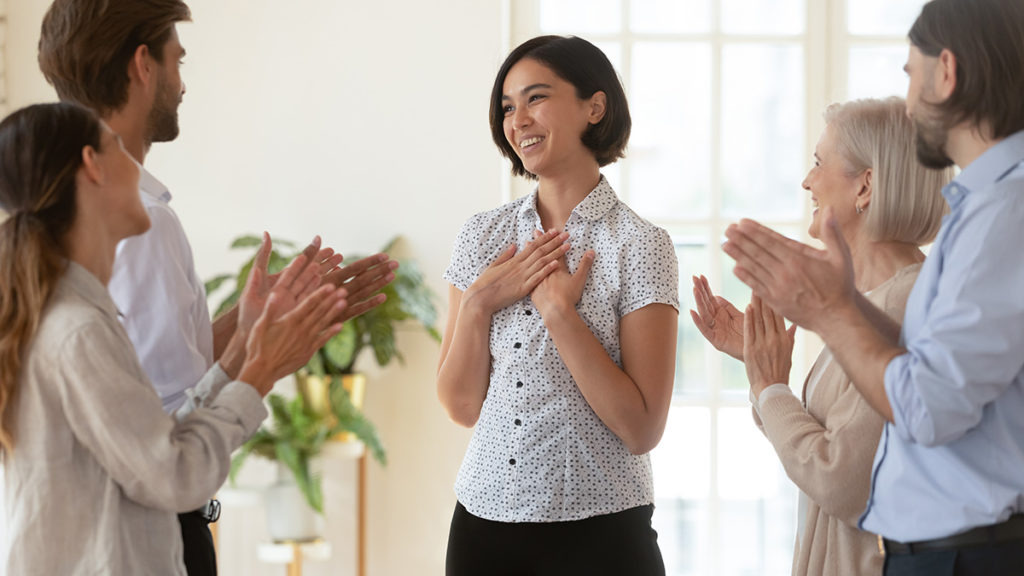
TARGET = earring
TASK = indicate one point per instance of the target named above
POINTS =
(858, 208)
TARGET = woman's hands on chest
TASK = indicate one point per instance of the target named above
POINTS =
(514, 275)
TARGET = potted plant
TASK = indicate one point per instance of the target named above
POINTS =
(328, 403)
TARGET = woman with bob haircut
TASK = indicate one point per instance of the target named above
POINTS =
(94, 469)
(887, 206)
(560, 341)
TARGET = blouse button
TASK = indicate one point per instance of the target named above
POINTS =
(529, 312)
(519, 384)
(512, 461)
(517, 345)
(519, 422)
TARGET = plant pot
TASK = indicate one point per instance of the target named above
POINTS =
(316, 392)
(289, 517)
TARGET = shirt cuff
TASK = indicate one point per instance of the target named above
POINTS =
(204, 392)
(246, 402)
(897, 388)
(771, 392)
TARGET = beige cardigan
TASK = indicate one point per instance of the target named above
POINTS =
(828, 449)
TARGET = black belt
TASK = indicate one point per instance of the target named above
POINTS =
(1008, 531)
(210, 512)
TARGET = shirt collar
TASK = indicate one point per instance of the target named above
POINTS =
(596, 204)
(150, 185)
(89, 288)
(991, 167)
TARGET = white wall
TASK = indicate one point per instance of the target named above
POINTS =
(358, 121)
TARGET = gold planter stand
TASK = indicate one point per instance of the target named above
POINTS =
(315, 391)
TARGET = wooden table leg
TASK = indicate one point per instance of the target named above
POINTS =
(295, 566)
(361, 517)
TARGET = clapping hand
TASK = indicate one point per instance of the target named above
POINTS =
(296, 320)
(767, 346)
(718, 320)
(804, 284)
(362, 279)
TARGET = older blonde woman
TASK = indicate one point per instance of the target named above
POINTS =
(887, 206)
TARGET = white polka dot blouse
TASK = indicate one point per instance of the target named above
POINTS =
(539, 453)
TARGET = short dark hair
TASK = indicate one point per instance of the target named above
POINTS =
(586, 67)
(987, 38)
(86, 45)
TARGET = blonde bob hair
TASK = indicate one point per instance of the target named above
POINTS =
(906, 198)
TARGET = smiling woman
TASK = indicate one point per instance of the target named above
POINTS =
(560, 341)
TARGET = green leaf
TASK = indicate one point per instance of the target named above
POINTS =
(340, 350)
(277, 262)
(236, 463)
(247, 241)
(309, 484)
(279, 409)
(316, 364)
(348, 418)
(214, 283)
(382, 339)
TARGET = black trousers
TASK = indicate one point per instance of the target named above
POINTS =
(620, 544)
(1002, 559)
(200, 558)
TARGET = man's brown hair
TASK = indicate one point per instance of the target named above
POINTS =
(86, 45)
(987, 39)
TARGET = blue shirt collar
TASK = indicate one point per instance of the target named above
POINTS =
(991, 167)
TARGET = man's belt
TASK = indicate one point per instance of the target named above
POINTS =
(1008, 531)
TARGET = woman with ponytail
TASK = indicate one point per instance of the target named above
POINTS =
(95, 471)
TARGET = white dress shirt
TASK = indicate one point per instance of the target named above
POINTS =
(162, 301)
(539, 453)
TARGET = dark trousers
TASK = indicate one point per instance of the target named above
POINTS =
(200, 558)
(1002, 559)
(617, 544)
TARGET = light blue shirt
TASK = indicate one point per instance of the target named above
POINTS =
(954, 457)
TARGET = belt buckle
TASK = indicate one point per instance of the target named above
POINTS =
(211, 512)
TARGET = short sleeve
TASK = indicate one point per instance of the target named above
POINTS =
(652, 273)
(462, 270)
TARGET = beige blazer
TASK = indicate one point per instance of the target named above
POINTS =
(828, 449)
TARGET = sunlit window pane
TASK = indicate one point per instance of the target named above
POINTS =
(613, 50)
(763, 16)
(756, 536)
(762, 130)
(882, 17)
(670, 16)
(757, 506)
(682, 483)
(682, 461)
(877, 71)
(670, 161)
(683, 536)
(580, 16)
(691, 354)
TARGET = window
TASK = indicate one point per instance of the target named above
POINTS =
(726, 98)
